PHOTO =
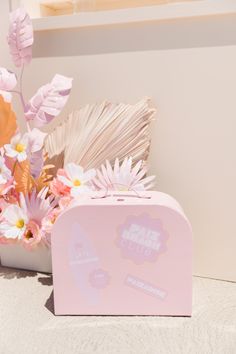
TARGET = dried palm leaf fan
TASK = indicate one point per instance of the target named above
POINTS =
(99, 132)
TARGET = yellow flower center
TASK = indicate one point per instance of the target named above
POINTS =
(20, 224)
(20, 147)
(77, 183)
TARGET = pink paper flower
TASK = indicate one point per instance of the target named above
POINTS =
(64, 202)
(6, 179)
(57, 188)
(123, 177)
(5, 173)
(32, 235)
(24, 221)
(49, 220)
(37, 206)
(6, 187)
(3, 205)
(20, 37)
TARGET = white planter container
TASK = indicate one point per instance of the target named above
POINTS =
(16, 256)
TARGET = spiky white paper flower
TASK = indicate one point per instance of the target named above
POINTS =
(123, 177)
(37, 205)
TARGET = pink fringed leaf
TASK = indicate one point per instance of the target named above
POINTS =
(20, 37)
(36, 140)
(48, 101)
(36, 163)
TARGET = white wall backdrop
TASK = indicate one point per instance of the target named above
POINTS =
(4, 56)
(188, 68)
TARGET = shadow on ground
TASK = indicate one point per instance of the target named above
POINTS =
(49, 304)
(11, 273)
(45, 279)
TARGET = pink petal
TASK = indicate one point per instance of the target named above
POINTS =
(148, 179)
(136, 168)
(98, 183)
(105, 175)
(141, 174)
(109, 170)
(7, 80)
(116, 166)
(89, 175)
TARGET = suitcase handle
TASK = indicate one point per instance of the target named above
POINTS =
(114, 193)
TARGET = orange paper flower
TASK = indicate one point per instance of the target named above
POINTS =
(7, 122)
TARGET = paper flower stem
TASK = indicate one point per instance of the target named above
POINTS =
(28, 127)
(21, 98)
(20, 93)
(14, 168)
(21, 88)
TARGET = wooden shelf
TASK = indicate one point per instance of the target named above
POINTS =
(172, 11)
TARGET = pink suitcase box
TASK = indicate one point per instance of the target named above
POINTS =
(123, 255)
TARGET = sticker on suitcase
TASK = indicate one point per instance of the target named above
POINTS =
(141, 238)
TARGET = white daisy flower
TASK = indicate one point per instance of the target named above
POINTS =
(18, 147)
(14, 222)
(5, 173)
(77, 179)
